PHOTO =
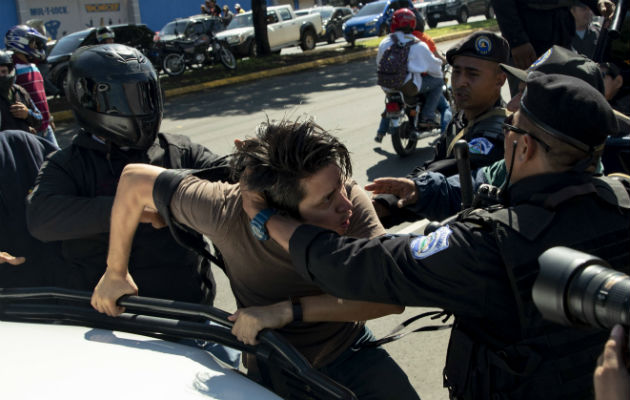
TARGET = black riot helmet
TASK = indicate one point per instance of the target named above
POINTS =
(6, 60)
(115, 94)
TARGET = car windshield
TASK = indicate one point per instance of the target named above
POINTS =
(174, 28)
(326, 13)
(68, 44)
(241, 21)
(371, 9)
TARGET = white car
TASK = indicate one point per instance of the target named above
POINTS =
(284, 29)
(55, 346)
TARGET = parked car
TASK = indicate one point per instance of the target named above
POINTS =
(332, 20)
(284, 29)
(138, 36)
(447, 10)
(155, 350)
(190, 28)
(374, 19)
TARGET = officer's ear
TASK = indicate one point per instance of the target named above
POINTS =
(528, 149)
(501, 77)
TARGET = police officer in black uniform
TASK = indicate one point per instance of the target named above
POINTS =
(533, 26)
(477, 80)
(482, 266)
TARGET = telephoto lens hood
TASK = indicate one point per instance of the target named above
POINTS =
(575, 288)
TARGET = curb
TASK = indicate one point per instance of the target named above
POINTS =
(61, 116)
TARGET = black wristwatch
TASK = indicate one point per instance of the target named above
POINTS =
(258, 223)
(297, 309)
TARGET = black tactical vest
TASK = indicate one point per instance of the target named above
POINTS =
(541, 360)
(8, 121)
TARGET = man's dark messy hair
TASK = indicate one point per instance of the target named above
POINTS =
(281, 154)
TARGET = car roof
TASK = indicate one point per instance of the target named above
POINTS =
(54, 338)
(46, 361)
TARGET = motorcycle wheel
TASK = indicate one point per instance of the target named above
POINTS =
(174, 64)
(227, 58)
(403, 145)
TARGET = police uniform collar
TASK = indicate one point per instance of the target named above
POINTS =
(497, 104)
(529, 189)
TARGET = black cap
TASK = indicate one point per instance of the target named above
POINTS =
(558, 60)
(483, 44)
(568, 109)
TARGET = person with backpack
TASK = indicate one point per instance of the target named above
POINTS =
(406, 64)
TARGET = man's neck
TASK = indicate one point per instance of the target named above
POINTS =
(472, 113)
(21, 58)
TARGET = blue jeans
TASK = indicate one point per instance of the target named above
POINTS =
(370, 372)
(432, 90)
(445, 113)
(445, 116)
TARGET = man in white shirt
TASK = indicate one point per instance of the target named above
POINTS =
(424, 70)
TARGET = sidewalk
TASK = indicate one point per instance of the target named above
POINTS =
(66, 115)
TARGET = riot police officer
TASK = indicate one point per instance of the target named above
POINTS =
(481, 267)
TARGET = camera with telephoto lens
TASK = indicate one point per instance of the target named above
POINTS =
(575, 288)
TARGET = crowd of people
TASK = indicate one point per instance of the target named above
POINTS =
(210, 7)
(294, 231)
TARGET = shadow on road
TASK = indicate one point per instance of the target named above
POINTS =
(261, 95)
(394, 165)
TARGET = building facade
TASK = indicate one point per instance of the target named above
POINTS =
(62, 17)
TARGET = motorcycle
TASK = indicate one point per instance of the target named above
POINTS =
(179, 54)
(403, 123)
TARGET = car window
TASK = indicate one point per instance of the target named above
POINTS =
(174, 28)
(301, 13)
(285, 14)
(325, 13)
(272, 17)
(241, 21)
(371, 9)
(69, 43)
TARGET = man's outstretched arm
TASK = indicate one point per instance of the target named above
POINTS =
(133, 195)
(249, 321)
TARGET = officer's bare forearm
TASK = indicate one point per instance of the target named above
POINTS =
(133, 194)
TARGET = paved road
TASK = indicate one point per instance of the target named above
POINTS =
(346, 100)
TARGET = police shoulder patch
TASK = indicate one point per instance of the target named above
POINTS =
(425, 246)
(480, 146)
(541, 59)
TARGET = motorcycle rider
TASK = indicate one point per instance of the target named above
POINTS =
(105, 35)
(29, 47)
(114, 94)
(17, 110)
(443, 106)
(424, 70)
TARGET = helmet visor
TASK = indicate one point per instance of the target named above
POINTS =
(126, 97)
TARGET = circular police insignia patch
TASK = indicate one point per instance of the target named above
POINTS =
(483, 45)
(425, 246)
(480, 146)
(541, 59)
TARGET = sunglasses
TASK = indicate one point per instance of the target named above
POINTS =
(507, 126)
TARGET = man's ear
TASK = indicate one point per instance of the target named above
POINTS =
(529, 148)
(617, 83)
(501, 78)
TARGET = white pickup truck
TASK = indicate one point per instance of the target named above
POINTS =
(284, 29)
